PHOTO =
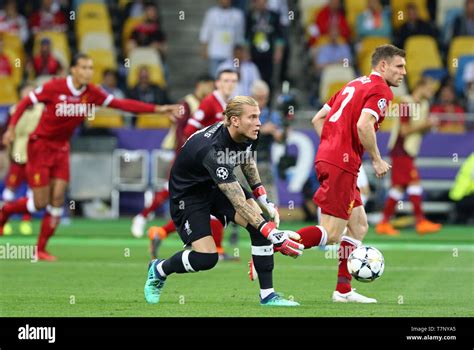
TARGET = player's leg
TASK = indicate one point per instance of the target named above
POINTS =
(26, 227)
(415, 192)
(192, 222)
(395, 194)
(157, 234)
(335, 198)
(217, 230)
(399, 179)
(357, 229)
(11, 184)
(52, 217)
(26, 205)
(139, 221)
(262, 261)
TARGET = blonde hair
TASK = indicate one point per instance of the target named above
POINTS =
(235, 107)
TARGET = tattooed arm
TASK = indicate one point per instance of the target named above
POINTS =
(253, 178)
(249, 169)
(233, 191)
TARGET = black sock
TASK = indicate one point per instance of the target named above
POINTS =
(191, 262)
(262, 255)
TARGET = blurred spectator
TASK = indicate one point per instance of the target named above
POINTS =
(265, 38)
(332, 53)
(223, 28)
(281, 7)
(44, 63)
(5, 66)
(464, 23)
(12, 22)
(270, 131)
(462, 192)
(375, 21)
(149, 33)
(329, 14)
(48, 18)
(453, 120)
(247, 70)
(146, 91)
(109, 83)
(414, 26)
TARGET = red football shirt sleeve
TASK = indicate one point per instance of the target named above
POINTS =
(377, 104)
(104, 99)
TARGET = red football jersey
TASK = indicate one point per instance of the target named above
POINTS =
(66, 107)
(340, 144)
(210, 111)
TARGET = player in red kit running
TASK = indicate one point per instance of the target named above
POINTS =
(346, 126)
(68, 102)
(210, 111)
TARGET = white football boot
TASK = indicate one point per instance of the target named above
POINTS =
(138, 226)
(351, 297)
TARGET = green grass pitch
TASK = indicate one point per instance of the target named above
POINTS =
(102, 269)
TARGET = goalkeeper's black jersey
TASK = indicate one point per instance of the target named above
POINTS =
(207, 158)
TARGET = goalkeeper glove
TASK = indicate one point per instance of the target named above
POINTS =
(261, 195)
(282, 240)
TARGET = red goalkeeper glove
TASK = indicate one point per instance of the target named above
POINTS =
(283, 240)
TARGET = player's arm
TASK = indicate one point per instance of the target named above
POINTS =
(39, 95)
(105, 99)
(318, 119)
(408, 129)
(233, 191)
(223, 176)
(133, 106)
(366, 132)
(250, 170)
(284, 240)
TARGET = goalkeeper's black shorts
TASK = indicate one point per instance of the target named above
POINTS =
(192, 215)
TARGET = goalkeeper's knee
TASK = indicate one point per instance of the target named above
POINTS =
(200, 261)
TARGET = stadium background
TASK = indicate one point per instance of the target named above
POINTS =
(115, 165)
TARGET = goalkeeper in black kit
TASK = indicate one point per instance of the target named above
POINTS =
(202, 183)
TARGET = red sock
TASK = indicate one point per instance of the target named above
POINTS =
(158, 200)
(15, 207)
(169, 227)
(217, 232)
(389, 209)
(416, 201)
(48, 226)
(343, 276)
(312, 236)
(26, 217)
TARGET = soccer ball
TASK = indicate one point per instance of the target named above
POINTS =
(366, 264)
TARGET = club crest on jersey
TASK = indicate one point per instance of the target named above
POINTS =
(382, 104)
(187, 227)
(222, 173)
